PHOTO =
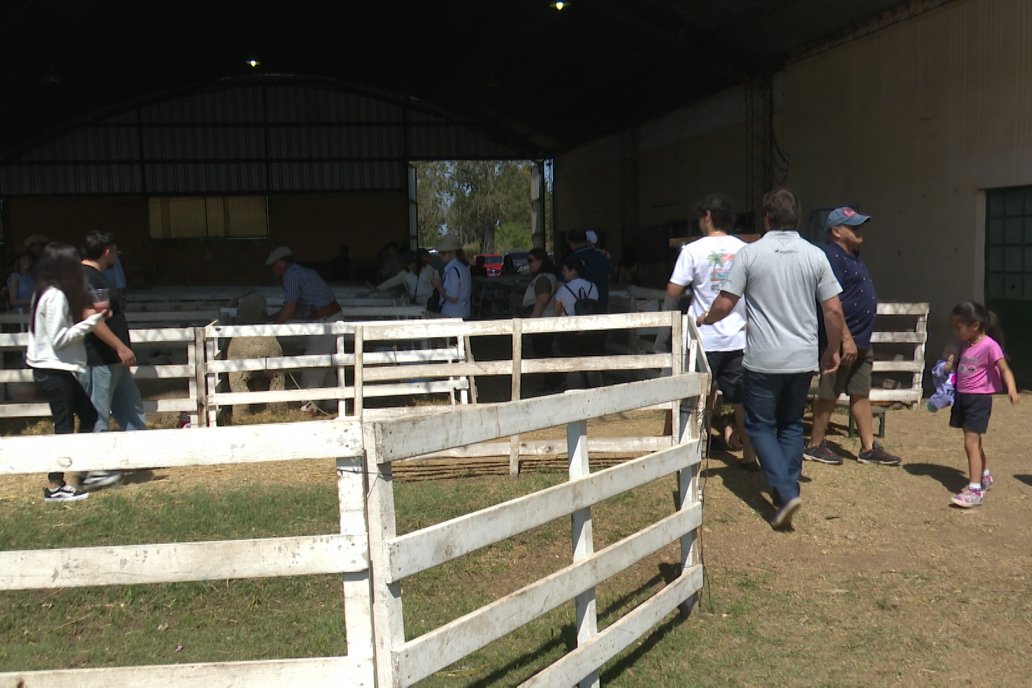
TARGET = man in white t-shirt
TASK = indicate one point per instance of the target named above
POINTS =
(703, 265)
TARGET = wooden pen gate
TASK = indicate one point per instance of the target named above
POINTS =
(371, 558)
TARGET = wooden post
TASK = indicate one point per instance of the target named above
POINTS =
(677, 361)
(358, 608)
(517, 390)
(342, 379)
(583, 542)
(198, 387)
(212, 379)
(467, 351)
(359, 371)
(919, 357)
(388, 619)
(693, 425)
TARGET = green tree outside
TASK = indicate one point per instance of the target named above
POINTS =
(486, 203)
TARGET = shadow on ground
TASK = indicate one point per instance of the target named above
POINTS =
(567, 636)
(952, 479)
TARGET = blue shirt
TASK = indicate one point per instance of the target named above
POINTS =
(304, 286)
(859, 300)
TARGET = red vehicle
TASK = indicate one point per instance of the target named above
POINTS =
(490, 262)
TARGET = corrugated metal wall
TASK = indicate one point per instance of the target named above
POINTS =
(251, 138)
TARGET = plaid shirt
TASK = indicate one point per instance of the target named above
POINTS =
(305, 287)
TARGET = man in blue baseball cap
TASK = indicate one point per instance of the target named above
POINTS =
(859, 305)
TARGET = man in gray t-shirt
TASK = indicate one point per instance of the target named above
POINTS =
(782, 275)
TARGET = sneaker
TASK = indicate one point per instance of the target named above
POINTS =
(879, 456)
(751, 466)
(65, 493)
(987, 481)
(95, 480)
(822, 454)
(782, 520)
(968, 498)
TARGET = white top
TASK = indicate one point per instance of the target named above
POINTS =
(567, 294)
(57, 342)
(423, 287)
(404, 279)
(704, 264)
(784, 277)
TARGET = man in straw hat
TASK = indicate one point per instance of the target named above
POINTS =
(457, 285)
(307, 297)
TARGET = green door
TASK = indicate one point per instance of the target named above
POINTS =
(1008, 272)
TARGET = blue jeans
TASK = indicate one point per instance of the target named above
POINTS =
(113, 392)
(774, 404)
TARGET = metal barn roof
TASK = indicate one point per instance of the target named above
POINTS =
(539, 79)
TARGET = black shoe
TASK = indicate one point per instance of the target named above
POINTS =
(751, 466)
(879, 456)
(821, 454)
(96, 480)
(782, 520)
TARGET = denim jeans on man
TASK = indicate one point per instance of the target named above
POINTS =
(113, 392)
(774, 404)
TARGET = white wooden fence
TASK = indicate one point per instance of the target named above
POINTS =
(344, 553)
(367, 552)
(185, 345)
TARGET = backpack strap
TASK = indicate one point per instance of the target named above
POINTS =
(575, 299)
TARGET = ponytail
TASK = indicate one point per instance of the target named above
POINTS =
(991, 326)
(971, 313)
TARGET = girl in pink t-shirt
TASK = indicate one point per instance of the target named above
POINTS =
(982, 371)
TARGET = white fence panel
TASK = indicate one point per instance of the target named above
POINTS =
(394, 558)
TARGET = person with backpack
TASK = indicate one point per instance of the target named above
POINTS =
(578, 296)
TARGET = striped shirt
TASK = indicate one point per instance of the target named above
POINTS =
(307, 289)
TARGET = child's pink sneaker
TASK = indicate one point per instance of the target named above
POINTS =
(967, 498)
(987, 481)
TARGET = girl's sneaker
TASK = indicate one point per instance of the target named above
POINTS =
(987, 481)
(967, 498)
(65, 493)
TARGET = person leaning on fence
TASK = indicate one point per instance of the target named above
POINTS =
(781, 276)
(859, 306)
(109, 354)
(62, 316)
(456, 287)
(307, 297)
(702, 266)
(578, 296)
(407, 279)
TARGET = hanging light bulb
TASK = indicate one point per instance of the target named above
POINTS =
(559, 5)
(252, 63)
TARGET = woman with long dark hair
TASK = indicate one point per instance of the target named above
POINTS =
(62, 315)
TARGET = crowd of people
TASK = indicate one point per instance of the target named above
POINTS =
(770, 315)
(808, 310)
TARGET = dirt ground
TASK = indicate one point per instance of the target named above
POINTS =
(873, 547)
